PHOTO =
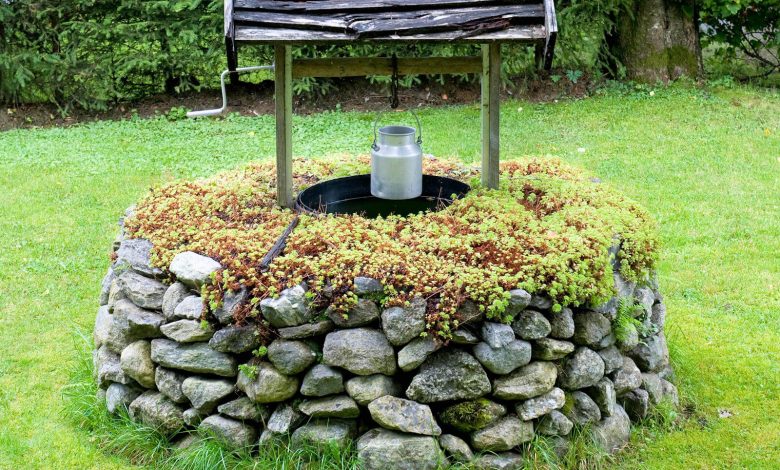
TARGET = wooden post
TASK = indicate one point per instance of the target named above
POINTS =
(491, 79)
(283, 86)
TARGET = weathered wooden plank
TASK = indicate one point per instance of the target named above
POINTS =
(491, 100)
(228, 17)
(444, 20)
(296, 21)
(283, 95)
(521, 34)
(316, 6)
(364, 66)
(551, 25)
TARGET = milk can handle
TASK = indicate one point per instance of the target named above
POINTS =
(419, 128)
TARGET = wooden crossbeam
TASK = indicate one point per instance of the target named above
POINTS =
(366, 66)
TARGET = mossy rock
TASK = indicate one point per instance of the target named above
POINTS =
(472, 415)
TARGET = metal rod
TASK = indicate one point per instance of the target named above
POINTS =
(222, 76)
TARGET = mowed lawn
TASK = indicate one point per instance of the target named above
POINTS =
(706, 163)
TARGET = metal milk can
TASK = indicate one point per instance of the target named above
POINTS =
(396, 162)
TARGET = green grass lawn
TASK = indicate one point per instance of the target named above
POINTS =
(705, 163)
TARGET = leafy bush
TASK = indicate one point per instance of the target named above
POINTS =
(750, 28)
(547, 230)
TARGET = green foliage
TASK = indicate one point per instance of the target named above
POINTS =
(250, 370)
(548, 229)
(747, 28)
(470, 415)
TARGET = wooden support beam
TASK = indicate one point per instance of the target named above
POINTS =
(283, 86)
(491, 100)
(364, 66)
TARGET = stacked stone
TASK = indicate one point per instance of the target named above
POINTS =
(372, 374)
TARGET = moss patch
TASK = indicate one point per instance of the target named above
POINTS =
(471, 415)
(547, 230)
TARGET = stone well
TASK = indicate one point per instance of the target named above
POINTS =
(408, 400)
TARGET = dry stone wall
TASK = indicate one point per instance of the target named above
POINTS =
(372, 375)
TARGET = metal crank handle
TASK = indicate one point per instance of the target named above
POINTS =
(222, 76)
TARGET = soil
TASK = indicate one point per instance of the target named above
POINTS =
(252, 99)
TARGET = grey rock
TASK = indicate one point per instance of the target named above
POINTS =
(105, 286)
(189, 439)
(191, 308)
(416, 352)
(192, 417)
(338, 406)
(613, 432)
(291, 357)
(143, 323)
(612, 358)
(244, 409)
(102, 328)
(367, 286)
(645, 298)
(623, 288)
(269, 385)
(554, 424)
(590, 328)
(530, 324)
(236, 340)
(627, 378)
(608, 308)
(307, 330)
(119, 396)
(472, 415)
(291, 308)
(548, 349)
(651, 383)
(118, 335)
(193, 270)
(652, 354)
(456, 448)
(449, 375)
(205, 393)
(233, 433)
(100, 394)
(603, 394)
(115, 294)
(403, 415)
(504, 434)
(187, 331)
(322, 380)
(527, 382)
(173, 297)
(464, 336)
(108, 367)
(155, 410)
(658, 316)
(505, 359)
(468, 312)
(606, 342)
(231, 302)
(582, 369)
(636, 403)
(581, 409)
(169, 383)
(541, 405)
(562, 324)
(194, 357)
(135, 254)
(366, 389)
(143, 291)
(284, 419)
(319, 433)
(541, 302)
(403, 324)
(670, 392)
(519, 300)
(365, 312)
(499, 461)
(628, 338)
(497, 335)
(136, 363)
(362, 351)
(382, 449)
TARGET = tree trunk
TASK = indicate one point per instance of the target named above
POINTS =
(660, 42)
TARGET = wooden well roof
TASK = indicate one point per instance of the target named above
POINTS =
(336, 21)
